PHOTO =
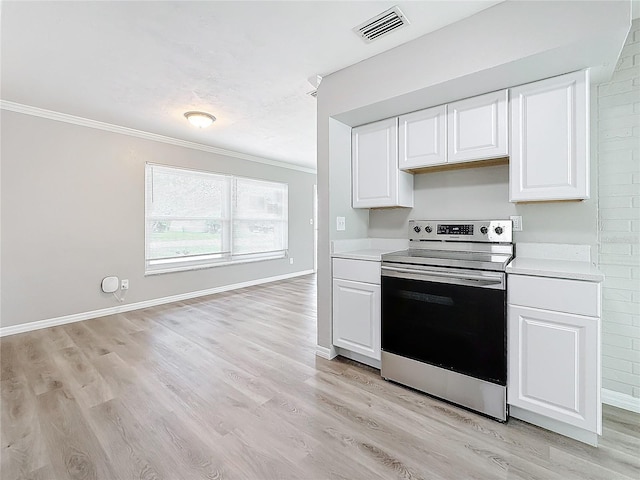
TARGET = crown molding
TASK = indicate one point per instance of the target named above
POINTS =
(86, 122)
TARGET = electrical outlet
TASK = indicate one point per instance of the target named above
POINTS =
(517, 223)
(290, 260)
(340, 224)
(124, 285)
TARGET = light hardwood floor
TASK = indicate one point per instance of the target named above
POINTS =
(229, 386)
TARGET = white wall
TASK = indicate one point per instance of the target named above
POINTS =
(483, 192)
(618, 120)
(73, 213)
(509, 44)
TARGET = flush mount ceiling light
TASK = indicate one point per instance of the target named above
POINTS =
(200, 119)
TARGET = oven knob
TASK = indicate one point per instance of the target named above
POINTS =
(416, 229)
(498, 230)
(428, 229)
(484, 230)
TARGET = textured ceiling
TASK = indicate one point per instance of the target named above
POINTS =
(143, 64)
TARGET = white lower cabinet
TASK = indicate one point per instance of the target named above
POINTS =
(356, 307)
(553, 372)
(554, 356)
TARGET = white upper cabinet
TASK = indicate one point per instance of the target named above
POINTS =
(423, 138)
(478, 128)
(550, 139)
(377, 181)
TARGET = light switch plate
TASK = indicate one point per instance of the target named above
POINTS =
(517, 223)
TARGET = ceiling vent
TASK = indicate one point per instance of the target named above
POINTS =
(383, 24)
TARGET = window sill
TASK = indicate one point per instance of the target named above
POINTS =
(187, 268)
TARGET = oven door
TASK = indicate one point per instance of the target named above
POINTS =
(450, 318)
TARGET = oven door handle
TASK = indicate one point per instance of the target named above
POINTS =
(495, 281)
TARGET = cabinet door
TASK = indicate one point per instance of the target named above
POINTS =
(356, 317)
(478, 128)
(423, 137)
(550, 136)
(554, 365)
(375, 164)
(377, 182)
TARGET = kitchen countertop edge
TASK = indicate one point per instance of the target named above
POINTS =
(369, 249)
(370, 254)
(570, 270)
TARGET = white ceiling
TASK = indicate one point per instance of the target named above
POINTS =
(143, 64)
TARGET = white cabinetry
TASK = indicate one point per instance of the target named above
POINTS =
(478, 128)
(356, 307)
(423, 138)
(377, 181)
(550, 139)
(465, 131)
(554, 354)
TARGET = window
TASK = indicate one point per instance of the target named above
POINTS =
(197, 219)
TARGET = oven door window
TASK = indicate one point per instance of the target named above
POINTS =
(459, 328)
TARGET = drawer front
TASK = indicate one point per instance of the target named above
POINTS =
(558, 294)
(357, 270)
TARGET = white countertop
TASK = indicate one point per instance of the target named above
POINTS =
(370, 249)
(371, 254)
(550, 260)
(538, 267)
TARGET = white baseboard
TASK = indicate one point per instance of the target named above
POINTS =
(324, 352)
(78, 317)
(621, 400)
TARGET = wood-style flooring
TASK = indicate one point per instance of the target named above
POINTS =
(229, 386)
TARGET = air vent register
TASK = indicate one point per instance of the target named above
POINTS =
(383, 24)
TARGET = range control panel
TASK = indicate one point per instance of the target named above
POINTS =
(492, 231)
(456, 229)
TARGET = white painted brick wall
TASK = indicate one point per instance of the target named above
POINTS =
(618, 121)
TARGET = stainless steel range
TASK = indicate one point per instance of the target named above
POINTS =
(444, 312)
